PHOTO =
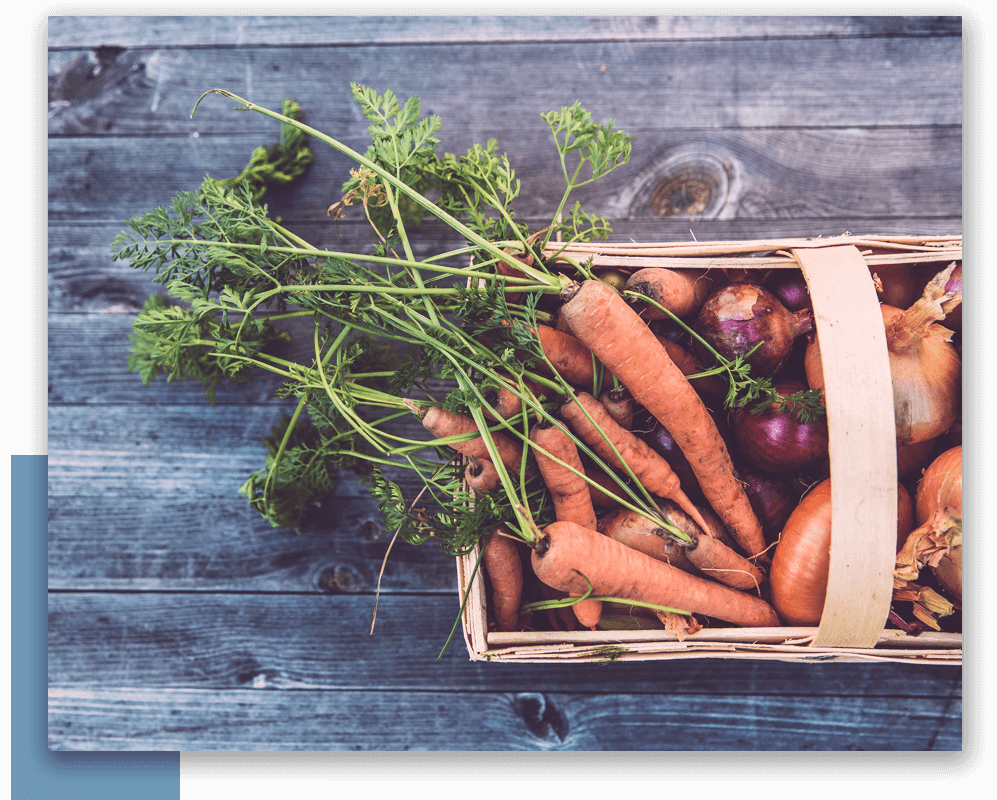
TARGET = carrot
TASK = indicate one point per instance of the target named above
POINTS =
(570, 357)
(708, 555)
(620, 405)
(569, 492)
(602, 494)
(509, 270)
(506, 403)
(604, 322)
(566, 552)
(442, 424)
(681, 292)
(639, 533)
(481, 476)
(687, 362)
(504, 569)
(649, 468)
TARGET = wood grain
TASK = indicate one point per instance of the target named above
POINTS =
(134, 719)
(179, 619)
(76, 32)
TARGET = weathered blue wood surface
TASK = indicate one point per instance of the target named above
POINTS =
(179, 620)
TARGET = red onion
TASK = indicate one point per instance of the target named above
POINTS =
(790, 288)
(739, 316)
(772, 499)
(777, 440)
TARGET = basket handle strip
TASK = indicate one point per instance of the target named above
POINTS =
(862, 433)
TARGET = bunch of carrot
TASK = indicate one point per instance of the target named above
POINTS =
(648, 544)
(627, 528)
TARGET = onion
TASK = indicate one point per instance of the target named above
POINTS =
(772, 498)
(925, 368)
(798, 575)
(953, 309)
(913, 458)
(937, 541)
(739, 316)
(940, 493)
(790, 288)
(776, 440)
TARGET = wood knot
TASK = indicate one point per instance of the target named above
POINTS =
(685, 183)
(685, 193)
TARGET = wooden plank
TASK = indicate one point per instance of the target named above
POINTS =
(245, 31)
(174, 453)
(103, 641)
(735, 83)
(220, 544)
(833, 175)
(136, 719)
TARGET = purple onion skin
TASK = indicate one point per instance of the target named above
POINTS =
(738, 316)
(777, 441)
(790, 288)
(772, 497)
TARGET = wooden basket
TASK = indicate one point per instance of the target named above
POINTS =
(861, 429)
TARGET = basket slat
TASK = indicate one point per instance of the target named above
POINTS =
(862, 444)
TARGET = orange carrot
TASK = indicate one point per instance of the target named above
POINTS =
(649, 468)
(705, 556)
(504, 570)
(639, 533)
(604, 322)
(570, 357)
(569, 492)
(566, 552)
(481, 476)
(710, 555)
(620, 405)
(442, 424)
(681, 292)
(505, 402)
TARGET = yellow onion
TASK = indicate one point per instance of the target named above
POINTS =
(940, 493)
(926, 369)
(802, 557)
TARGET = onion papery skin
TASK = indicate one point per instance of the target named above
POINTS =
(926, 383)
(953, 319)
(776, 440)
(941, 490)
(802, 558)
(736, 317)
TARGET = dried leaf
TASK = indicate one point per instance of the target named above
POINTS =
(927, 545)
(679, 624)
